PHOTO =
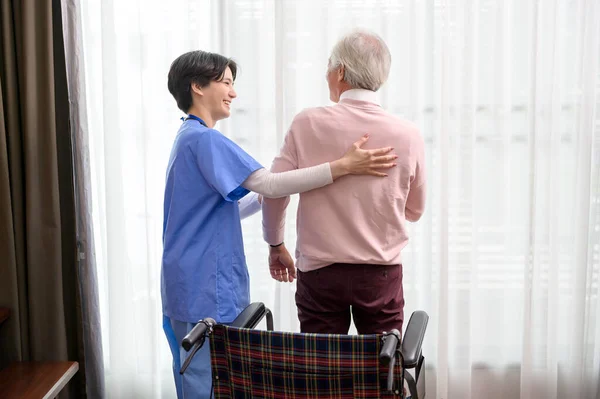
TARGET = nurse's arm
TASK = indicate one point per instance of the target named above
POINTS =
(249, 205)
(356, 162)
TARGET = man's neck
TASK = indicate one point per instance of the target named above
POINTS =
(345, 87)
(203, 114)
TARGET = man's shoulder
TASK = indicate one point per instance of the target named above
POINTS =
(316, 117)
(338, 110)
(403, 123)
(313, 112)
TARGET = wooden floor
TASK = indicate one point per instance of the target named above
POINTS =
(35, 379)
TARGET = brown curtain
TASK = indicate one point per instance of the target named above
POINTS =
(39, 278)
(87, 276)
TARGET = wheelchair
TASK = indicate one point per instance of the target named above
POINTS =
(249, 363)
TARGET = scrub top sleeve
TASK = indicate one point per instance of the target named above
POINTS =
(224, 164)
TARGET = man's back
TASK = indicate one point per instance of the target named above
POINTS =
(359, 219)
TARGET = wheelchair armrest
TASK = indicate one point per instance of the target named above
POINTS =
(251, 316)
(413, 338)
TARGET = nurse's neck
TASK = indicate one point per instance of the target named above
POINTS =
(202, 113)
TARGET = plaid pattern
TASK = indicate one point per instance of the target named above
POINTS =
(265, 364)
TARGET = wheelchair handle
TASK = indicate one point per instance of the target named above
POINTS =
(388, 355)
(197, 333)
(390, 347)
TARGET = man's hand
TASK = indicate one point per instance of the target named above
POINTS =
(281, 264)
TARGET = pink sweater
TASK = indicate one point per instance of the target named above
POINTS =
(357, 219)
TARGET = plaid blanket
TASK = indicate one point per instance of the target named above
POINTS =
(265, 364)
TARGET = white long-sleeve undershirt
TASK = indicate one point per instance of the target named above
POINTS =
(277, 185)
(249, 205)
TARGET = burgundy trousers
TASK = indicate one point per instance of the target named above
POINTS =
(372, 293)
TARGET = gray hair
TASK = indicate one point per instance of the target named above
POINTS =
(365, 57)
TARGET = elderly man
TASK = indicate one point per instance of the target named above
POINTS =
(350, 234)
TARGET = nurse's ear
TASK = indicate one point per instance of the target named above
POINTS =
(197, 89)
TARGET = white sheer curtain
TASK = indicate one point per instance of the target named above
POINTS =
(506, 259)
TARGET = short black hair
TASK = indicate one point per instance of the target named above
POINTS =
(200, 67)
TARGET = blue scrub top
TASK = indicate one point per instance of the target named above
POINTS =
(204, 272)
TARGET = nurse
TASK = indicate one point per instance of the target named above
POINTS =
(204, 271)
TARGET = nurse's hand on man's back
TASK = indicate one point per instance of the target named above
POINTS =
(357, 161)
(281, 264)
